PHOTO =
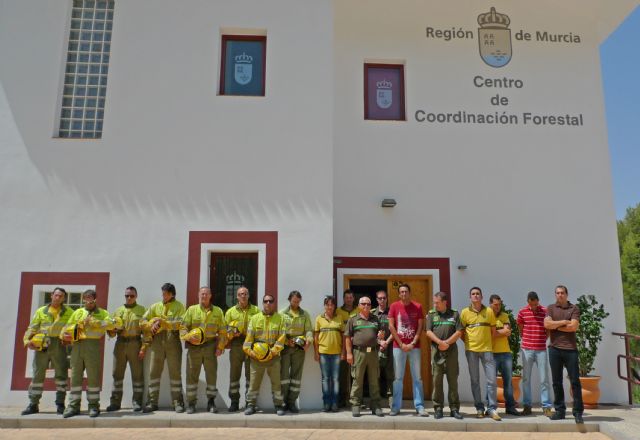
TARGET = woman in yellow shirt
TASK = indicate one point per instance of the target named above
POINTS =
(327, 344)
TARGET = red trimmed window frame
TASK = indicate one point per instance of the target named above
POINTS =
(198, 238)
(442, 265)
(223, 60)
(19, 380)
(400, 67)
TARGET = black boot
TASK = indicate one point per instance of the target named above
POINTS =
(32, 408)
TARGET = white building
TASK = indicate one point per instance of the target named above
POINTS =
(497, 158)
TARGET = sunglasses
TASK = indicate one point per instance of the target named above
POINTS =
(365, 304)
(268, 301)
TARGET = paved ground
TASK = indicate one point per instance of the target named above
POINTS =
(616, 422)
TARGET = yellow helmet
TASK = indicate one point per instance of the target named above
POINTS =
(261, 349)
(299, 341)
(196, 333)
(40, 341)
(232, 327)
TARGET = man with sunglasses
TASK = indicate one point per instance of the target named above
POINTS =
(128, 351)
(361, 341)
(385, 353)
(266, 337)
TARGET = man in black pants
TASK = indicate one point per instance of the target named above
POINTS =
(562, 321)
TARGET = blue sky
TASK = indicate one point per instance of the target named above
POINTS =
(620, 57)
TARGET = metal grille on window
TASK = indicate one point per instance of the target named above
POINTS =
(73, 299)
(85, 79)
(229, 272)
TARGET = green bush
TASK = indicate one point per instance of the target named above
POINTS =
(589, 333)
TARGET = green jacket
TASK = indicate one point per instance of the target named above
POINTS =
(44, 322)
(98, 324)
(298, 324)
(211, 321)
(239, 318)
(264, 328)
(131, 317)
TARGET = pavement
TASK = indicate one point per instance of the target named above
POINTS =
(616, 422)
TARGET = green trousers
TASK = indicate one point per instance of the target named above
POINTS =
(291, 364)
(126, 352)
(258, 369)
(345, 383)
(387, 377)
(85, 355)
(445, 364)
(166, 345)
(364, 362)
(237, 359)
(199, 356)
(56, 354)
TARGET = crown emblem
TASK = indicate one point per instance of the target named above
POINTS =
(493, 20)
(244, 58)
(384, 84)
(234, 278)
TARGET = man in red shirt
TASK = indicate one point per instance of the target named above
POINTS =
(534, 351)
(406, 320)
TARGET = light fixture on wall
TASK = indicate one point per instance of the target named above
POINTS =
(462, 267)
(388, 203)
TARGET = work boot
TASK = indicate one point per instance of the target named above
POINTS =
(545, 411)
(32, 408)
(557, 416)
(60, 408)
(355, 411)
(334, 407)
(94, 412)
(438, 414)
(191, 409)
(578, 418)
(526, 411)
(293, 408)
(513, 412)
(250, 410)
(211, 406)
(494, 415)
(480, 414)
(326, 407)
(150, 408)
(280, 410)
(113, 407)
(456, 414)
(136, 407)
(378, 412)
(179, 407)
(422, 412)
(70, 412)
(234, 407)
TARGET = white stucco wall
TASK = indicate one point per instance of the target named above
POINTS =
(174, 156)
(524, 207)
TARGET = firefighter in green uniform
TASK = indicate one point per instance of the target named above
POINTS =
(362, 336)
(161, 325)
(237, 319)
(444, 328)
(43, 336)
(346, 311)
(85, 328)
(385, 354)
(128, 350)
(266, 336)
(299, 337)
(205, 334)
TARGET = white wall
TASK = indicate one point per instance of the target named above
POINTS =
(174, 156)
(524, 207)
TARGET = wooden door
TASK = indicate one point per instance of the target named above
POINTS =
(421, 292)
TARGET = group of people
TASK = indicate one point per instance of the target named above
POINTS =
(351, 343)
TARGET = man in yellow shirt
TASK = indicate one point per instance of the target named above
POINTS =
(204, 347)
(479, 325)
(502, 352)
(47, 323)
(346, 311)
(237, 319)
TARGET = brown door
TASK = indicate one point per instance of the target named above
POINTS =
(421, 292)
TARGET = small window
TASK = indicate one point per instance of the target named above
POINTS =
(230, 271)
(384, 92)
(72, 299)
(85, 53)
(243, 63)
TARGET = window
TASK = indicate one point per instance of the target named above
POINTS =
(85, 78)
(243, 64)
(73, 299)
(384, 92)
(228, 272)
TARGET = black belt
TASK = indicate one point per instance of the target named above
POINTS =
(128, 338)
(363, 348)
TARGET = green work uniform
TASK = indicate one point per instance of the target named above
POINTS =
(126, 352)
(385, 357)
(85, 354)
(364, 335)
(211, 321)
(345, 368)
(292, 358)
(56, 353)
(237, 320)
(165, 345)
(271, 330)
(444, 325)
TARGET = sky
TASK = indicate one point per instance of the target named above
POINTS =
(620, 58)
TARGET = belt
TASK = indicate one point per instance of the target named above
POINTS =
(363, 348)
(128, 338)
